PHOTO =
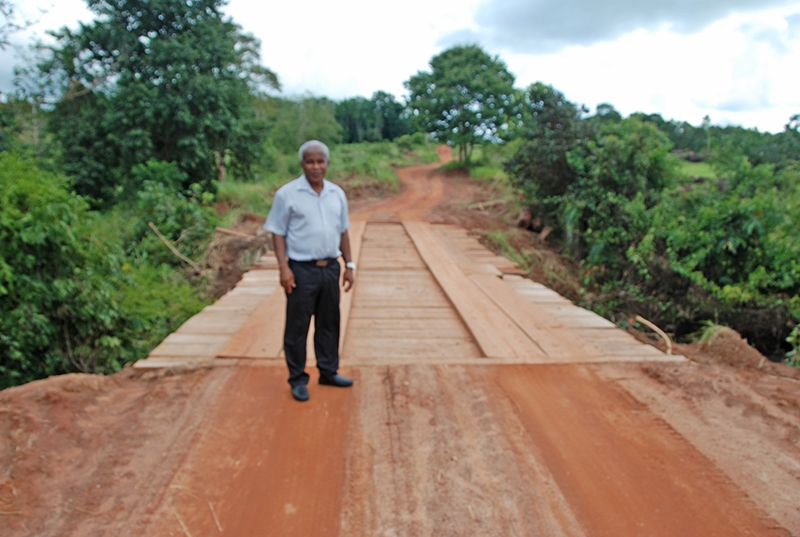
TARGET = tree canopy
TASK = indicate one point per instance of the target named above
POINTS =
(170, 80)
(465, 99)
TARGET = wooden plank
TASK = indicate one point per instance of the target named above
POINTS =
(393, 297)
(356, 235)
(207, 339)
(400, 313)
(492, 329)
(381, 264)
(467, 262)
(402, 277)
(213, 322)
(434, 325)
(584, 321)
(366, 348)
(167, 362)
(261, 337)
(263, 291)
(414, 333)
(186, 349)
(548, 333)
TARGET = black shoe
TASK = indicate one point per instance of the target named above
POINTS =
(336, 380)
(300, 392)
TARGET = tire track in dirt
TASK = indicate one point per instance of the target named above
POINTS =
(265, 465)
(423, 190)
(623, 470)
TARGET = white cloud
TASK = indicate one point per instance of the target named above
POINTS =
(728, 71)
(342, 49)
(538, 26)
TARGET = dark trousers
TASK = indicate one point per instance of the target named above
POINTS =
(317, 294)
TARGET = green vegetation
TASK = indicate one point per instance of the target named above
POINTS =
(71, 297)
(697, 169)
(659, 237)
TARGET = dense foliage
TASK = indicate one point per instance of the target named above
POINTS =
(676, 249)
(57, 287)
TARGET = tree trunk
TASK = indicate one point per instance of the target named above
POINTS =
(221, 167)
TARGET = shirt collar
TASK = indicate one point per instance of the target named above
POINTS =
(305, 185)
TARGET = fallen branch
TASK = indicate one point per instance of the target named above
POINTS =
(658, 331)
(175, 251)
(483, 205)
(234, 233)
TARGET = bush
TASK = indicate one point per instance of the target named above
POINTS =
(181, 216)
(58, 286)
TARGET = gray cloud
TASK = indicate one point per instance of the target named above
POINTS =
(531, 26)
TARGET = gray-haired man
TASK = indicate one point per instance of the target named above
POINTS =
(309, 221)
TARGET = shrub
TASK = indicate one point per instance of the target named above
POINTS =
(58, 286)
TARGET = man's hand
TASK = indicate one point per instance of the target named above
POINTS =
(287, 276)
(287, 279)
(349, 279)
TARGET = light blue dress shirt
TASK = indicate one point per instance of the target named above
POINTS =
(312, 223)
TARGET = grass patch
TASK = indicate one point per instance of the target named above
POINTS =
(697, 169)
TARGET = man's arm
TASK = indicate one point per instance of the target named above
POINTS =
(287, 276)
(349, 274)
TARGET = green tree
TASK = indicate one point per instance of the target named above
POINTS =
(467, 98)
(620, 174)
(171, 80)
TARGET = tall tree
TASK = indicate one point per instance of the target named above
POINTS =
(170, 80)
(465, 99)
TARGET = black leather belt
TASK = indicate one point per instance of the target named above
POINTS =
(319, 262)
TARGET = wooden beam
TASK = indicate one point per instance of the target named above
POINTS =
(495, 333)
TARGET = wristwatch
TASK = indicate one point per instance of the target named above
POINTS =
(350, 265)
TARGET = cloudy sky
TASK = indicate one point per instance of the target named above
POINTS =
(736, 60)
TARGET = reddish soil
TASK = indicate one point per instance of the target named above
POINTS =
(706, 447)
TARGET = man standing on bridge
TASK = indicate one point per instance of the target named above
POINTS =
(309, 221)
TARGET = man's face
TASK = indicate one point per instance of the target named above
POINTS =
(315, 165)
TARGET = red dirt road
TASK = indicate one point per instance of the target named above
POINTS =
(436, 447)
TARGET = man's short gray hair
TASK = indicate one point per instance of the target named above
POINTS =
(314, 144)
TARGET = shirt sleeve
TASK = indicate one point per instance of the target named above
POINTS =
(345, 223)
(277, 221)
